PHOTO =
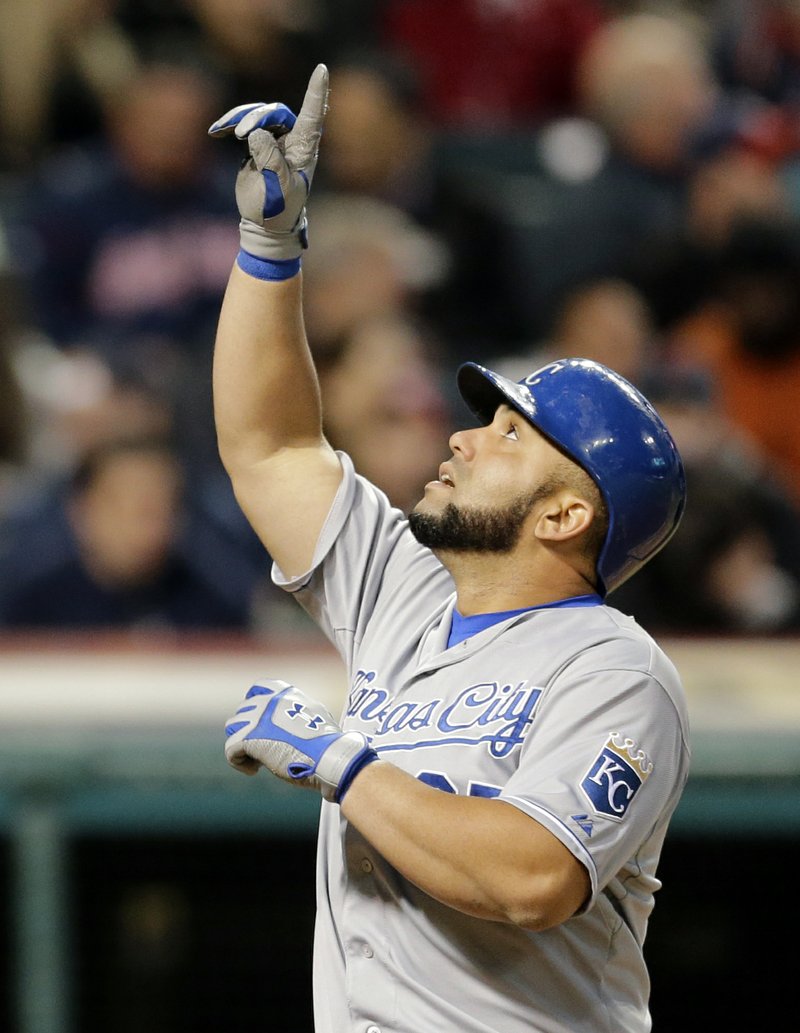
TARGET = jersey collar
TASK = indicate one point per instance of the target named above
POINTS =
(462, 628)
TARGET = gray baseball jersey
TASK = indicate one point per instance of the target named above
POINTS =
(573, 715)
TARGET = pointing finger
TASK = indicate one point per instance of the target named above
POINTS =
(302, 142)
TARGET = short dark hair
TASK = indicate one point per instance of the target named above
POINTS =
(95, 459)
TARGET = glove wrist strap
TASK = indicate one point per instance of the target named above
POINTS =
(268, 268)
(367, 757)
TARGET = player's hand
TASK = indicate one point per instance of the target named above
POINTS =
(280, 728)
(273, 183)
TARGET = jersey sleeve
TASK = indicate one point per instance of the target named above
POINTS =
(366, 563)
(603, 767)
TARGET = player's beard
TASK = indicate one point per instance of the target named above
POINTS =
(474, 529)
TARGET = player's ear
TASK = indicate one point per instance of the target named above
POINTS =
(563, 516)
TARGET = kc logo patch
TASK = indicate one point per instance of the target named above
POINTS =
(616, 776)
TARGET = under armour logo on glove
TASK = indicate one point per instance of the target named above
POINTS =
(316, 752)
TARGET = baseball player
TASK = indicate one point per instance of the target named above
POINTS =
(498, 788)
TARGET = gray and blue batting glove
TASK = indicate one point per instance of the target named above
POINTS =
(274, 181)
(278, 727)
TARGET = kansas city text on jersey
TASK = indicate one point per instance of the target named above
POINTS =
(496, 714)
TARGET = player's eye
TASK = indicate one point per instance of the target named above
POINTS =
(511, 432)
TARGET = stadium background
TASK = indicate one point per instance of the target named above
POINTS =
(617, 179)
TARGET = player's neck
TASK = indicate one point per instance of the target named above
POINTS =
(486, 583)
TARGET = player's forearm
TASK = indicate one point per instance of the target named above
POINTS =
(482, 857)
(266, 395)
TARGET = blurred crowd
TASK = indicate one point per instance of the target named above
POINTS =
(507, 181)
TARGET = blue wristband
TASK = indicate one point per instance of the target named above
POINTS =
(358, 765)
(267, 269)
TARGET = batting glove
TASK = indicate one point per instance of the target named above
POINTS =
(280, 728)
(274, 181)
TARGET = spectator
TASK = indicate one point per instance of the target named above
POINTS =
(756, 48)
(720, 573)
(13, 422)
(380, 144)
(122, 247)
(734, 177)
(118, 552)
(746, 336)
(13, 440)
(60, 64)
(128, 241)
(12, 412)
(369, 258)
(262, 48)
(603, 183)
(605, 320)
(733, 566)
(646, 79)
(487, 65)
(74, 403)
(15, 417)
(384, 406)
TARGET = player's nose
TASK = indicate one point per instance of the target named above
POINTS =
(462, 442)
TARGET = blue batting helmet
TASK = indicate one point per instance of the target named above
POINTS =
(608, 427)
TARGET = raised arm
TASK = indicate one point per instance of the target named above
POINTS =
(266, 396)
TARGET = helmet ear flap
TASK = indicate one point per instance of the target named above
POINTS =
(609, 428)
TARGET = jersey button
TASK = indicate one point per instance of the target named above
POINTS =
(366, 865)
(373, 1029)
(367, 951)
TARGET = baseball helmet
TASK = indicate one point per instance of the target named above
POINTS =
(602, 422)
